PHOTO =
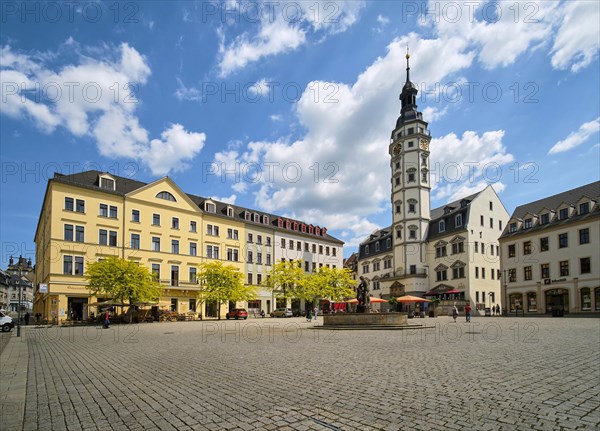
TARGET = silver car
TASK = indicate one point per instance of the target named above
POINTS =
(282, 312)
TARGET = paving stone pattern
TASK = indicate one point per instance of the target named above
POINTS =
(280, 374)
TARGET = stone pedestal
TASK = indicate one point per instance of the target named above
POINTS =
(365, 319)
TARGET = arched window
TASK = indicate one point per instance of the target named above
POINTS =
(166, 196)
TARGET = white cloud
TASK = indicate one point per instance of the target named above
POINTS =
(382, 23)
(285, 28)
(577, 41)
(229, 200)
(95, 98)
(187, 93)
(586, 130)
(337, 174)
(276, 117)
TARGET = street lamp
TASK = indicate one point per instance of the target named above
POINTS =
(23, 267)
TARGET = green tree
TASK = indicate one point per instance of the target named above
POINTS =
(286, 280)
(222, 283)
(334, 284)
(122, 279)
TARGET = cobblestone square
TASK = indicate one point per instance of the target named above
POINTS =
(281, 374)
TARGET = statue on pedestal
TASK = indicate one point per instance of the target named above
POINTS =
(362, 295)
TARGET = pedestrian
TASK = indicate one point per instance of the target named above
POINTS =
(26, 317)
(308, 314)
(493, 310)
(468, 312)
(454, 312)
(38, 317)
(498, 310)
(315, 312)
(106, 320)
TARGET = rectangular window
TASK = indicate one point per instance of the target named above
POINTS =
(103, 237)
(458, 272)
(458, 247)
(320, 249)
(79, 234)
(527, 273)
(174, 275)
(135, 241)
(477, 296)
(232, 254)
(545, 270)
(250, 257)
(193, 249)
(232, 233)
(68, 232)
(440, 251)
(545, 218)
(174, 223)
(211, 208)
(268, 241)
(155, 243)
(156, 271)
(107, 183)
(527, 247)
(481, 220)
(193, 275)
(584, 236)
(482, 272)
(442, 275)
(513, 227)
(492, 272)
(585, 265)
(250, 278)
(212, 251)
(499, 224)
(112, 238)
(103, 210)
(544, 244)
(193, 226)
(314, 248)
(78, 265)
(212, 230)
(113, 212)
(291, 244)
(259, 258)
(584, 208)
(482, 248)
(156, 219)
(563, 240)
(68, 265)
(512, 275)
(528, 223)
(442, 226)
(80, 206)
(491, 223)
(135, 216)
(491, 206)
(563, 214)
(251, 238)
(476, 272)
(268, 261)
(69, 204)
(258, 279)
(175, 246)
(564, 268)
(477, 247)
(259, 239)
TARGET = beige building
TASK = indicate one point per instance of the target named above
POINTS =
(551, 254)
(91, 215)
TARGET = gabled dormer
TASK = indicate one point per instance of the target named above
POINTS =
(546, 216)
(584, 205)
(210, 206)
(529, 220)
(107, 182)
(514, 224)
(565, 211)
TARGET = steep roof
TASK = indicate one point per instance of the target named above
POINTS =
(123, 185)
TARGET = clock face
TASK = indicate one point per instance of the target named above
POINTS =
(424, 144)
(397, 149)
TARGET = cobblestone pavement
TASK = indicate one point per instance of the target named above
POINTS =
(279, 374)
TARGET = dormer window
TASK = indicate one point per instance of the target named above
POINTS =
(528, 223)
(458, 220)
(265, 220)
(513, 227)
(367, 249)
(229, 212)
(318, 231)
(303, 228)
(545, 218)
(377, 246)
(584, 208)
(563, 214)
(107, 183)
(247, 216)
(256, 218)
(288, 224)
(209, 207)
(166, 196)
(442, 226)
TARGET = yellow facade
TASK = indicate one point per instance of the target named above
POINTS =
(92, 215)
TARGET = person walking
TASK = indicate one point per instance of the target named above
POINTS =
(468, 312)
(454, 312)
(106, 320)
(315, 312)
(26, 317)
(308, 314)
(498, 310)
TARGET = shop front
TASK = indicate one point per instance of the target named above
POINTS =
(557, 301)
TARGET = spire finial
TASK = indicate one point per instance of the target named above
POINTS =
(407, 64)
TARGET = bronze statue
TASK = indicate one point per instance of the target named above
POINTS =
(362, 295)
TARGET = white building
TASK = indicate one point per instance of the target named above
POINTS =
(451, 252)
(551, 254)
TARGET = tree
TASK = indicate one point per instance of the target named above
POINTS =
(224, 283)
(286, 280)
(334, 284)
(122, 279)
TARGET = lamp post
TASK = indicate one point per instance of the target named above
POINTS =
(22, 267)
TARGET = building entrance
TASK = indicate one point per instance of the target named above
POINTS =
(557, 301)
(76, 308)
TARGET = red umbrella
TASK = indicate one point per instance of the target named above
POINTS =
(410, 298)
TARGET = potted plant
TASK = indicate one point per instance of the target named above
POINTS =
(393, 303)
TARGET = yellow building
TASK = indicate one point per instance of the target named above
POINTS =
(92, 215)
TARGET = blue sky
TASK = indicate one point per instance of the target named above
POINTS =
(288, 106)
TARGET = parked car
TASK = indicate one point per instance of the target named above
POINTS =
(6, 322)
(237, 313)
(299, 313)
(282, 312)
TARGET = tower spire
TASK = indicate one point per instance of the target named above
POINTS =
(407, 64)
